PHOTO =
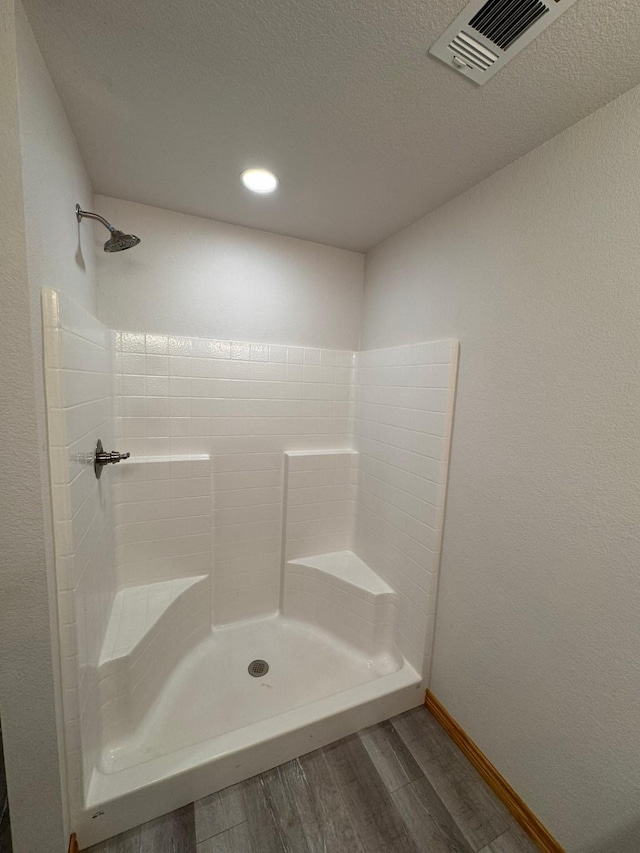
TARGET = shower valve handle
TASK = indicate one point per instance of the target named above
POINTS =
(104, 457)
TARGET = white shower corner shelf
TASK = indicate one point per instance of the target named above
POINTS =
(339, 452)
(173, 457)
(347, 567)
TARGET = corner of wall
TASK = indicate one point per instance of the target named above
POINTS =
(27, 671)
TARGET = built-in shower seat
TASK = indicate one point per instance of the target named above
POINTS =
(339, 592)
(151, 628)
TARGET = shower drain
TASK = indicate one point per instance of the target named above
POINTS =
(257, 668)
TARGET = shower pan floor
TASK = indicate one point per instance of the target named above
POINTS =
(214, 724)
(211, 692)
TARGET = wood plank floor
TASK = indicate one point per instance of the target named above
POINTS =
(399, 787)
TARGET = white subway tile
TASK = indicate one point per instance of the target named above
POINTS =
(295, 355)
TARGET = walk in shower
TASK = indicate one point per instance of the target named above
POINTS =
(259, 577)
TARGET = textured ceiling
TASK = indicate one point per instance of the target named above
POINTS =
(170, 101)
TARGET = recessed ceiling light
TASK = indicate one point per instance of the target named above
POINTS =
(259, 180)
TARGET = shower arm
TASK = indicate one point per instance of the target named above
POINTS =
(82, 214)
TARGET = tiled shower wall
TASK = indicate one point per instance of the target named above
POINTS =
(320, 497)
(403, 418)
(79, 373)
(162, 518)
(220, 415)
(244, 405)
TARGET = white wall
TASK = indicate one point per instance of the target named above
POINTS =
(193, 276)
(61, 252)
(537, 271)
(27, 688)
(42, 178)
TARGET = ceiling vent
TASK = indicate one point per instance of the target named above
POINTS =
(489, 33)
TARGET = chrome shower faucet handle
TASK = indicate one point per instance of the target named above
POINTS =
(104, 457)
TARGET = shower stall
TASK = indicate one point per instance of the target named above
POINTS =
(258, 578)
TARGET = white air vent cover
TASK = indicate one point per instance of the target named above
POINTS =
(488, 33)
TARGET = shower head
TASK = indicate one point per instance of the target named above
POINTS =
(118, 241)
